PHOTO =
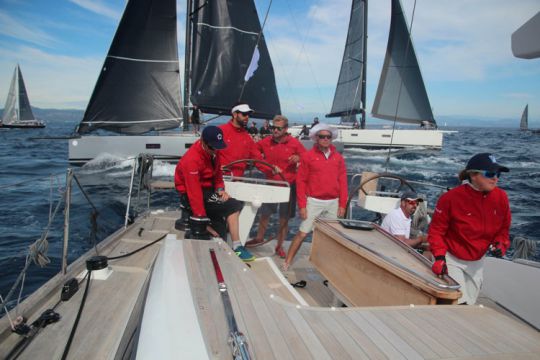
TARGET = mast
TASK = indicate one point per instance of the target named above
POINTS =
(187, 64)
(364, 70)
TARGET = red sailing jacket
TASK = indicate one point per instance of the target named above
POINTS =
(240, 145)
(467, 221)
(321, 178)
(195, 172)
(278, 154)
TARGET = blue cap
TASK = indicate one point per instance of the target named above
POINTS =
(213, 136)
(486, 162)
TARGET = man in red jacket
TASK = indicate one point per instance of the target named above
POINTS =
(199, 181)
(240, 144)
(321, 185)
(283, 152)
(468, 221)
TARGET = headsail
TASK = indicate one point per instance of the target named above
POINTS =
(524, 125)
(138, 89)
(348, 99)
(226, 41)
(401, 94)
(17, 108)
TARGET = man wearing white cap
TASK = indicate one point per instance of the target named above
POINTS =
(240, 144)
(321, 185)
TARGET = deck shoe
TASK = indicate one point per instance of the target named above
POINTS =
(280, 252)
(243, 254)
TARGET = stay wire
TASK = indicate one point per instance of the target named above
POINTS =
(386, 163)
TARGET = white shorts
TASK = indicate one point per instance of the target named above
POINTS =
(318, 208)
(468, 274)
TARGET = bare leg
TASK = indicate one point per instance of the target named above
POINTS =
(293, 249)
(282, 232)
(263, 224)
(232, 221)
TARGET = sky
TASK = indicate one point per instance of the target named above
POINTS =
(463, 47)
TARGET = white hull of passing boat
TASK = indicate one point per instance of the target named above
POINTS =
(385, 138)
(168, 147)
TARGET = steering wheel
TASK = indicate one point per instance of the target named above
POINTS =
(402, 184)
(250, 163)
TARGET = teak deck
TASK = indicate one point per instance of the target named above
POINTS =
(276, 327)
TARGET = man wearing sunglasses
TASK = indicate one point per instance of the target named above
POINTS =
(283, 152)
(199, 181)
(321, 185)
(240, 144)
(398, 221)
(468, 221)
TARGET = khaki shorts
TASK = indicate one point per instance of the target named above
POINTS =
(315, 209)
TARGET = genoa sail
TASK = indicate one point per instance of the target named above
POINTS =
(17, 108)
(349, 96)
(524, 125)
(401, 93)
(230, 60)
(138, 89)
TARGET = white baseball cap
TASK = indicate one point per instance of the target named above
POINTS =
(243, 108)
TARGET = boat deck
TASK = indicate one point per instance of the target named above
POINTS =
(270, 314)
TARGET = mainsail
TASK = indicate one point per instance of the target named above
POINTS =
(524, 125)
(138, 89)
(401, 94)
(230, 60)
(350, 94)
(17, 108)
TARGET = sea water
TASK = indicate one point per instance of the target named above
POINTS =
(33, 171)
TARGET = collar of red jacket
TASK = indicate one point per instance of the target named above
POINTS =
(331, 147)
(240, 129)
(285, 139)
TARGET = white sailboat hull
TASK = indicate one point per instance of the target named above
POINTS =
(385, 138)
(169, 147)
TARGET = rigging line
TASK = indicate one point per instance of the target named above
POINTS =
(400, 86)
(227, 28)
(259, 36)
(84, 193)
(303, 52)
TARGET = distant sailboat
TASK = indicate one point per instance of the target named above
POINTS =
(401, 93)
(138, 90)
(17, 111)
(524, 125)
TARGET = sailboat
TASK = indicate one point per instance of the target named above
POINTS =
(524, 124)
(401, 94)
(17, 111)
(138, 96)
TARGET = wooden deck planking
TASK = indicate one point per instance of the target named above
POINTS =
(207, 300)
(413, 338)
(332, 333)
(370, 348)
(418, 338)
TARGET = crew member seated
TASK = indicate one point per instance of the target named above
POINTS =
(398, 221)
(199, 181)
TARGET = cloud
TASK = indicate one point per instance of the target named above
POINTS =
(51, 80)
(14, 28)
(98, 7)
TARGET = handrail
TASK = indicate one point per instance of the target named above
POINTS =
(69, 177)
(126, 219)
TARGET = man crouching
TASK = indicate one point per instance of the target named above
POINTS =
(199, 180)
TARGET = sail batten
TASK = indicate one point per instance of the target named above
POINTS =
(225, 39)
(401, 93)
(138, 89)
(524, 124)
(348, 96)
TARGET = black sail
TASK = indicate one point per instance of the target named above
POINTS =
(138, 89)
(401, 94)
(17, 106)
(226, 39)
(348, 95)
(524, 125)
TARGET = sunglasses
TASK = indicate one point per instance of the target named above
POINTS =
(279, 128)
(245, 113)
(489, 174)
(327, 137)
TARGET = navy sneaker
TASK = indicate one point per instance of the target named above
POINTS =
(243, 254)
